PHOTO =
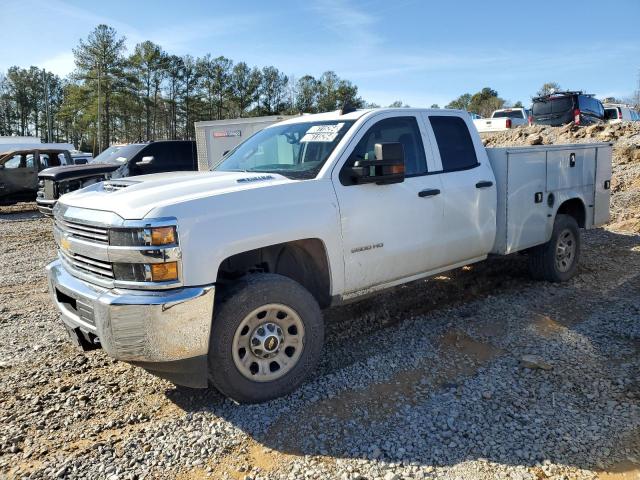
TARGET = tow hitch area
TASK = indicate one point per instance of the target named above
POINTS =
(85, 340)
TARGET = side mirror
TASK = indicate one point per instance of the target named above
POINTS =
(145, 161)
(387, 168)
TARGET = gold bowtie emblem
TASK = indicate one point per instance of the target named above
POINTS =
(65, 244)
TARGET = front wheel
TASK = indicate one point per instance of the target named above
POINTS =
(266, 338)
(557, 260)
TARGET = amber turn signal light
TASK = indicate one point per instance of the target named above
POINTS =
(163, 235)
(163, 272)
(396, 169)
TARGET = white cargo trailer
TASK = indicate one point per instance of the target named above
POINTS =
(18, 139)
(216, 137)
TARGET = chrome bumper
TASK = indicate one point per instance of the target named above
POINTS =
(144, 327)
(45, 206)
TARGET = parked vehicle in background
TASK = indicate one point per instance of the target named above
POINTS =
(20, 163)
(16, 139)
(561, 108)
(215, 138)
(475, 116)
(503, 119)
(219, 277)
(616, 113)
(80, 158)
(117, 161)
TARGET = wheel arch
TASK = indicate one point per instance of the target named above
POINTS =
(306, 261)
(574, 207)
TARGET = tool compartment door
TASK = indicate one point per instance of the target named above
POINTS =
(570, 168)
(602, 186)
(526, 199)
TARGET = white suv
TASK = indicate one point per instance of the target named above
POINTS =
(615, 113)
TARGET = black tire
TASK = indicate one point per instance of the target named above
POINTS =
(237, 302)
(542, 259)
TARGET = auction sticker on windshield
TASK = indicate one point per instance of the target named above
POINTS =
(322, 133)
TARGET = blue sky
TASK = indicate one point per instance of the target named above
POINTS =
(419, 51)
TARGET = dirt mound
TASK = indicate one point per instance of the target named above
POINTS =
(625, 183)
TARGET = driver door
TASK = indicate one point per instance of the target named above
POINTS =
(19, 174)
(390, 232)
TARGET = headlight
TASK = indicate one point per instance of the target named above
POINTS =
(153, 255)
(143, 237)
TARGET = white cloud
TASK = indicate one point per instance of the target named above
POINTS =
(61, 64)
(355, 27)
(183, 37)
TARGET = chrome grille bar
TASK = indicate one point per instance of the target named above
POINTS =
(80, 262)
(100, 235)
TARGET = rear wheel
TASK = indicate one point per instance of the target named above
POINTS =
(266, 338)
(557, 260)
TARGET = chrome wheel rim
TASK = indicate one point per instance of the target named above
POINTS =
(565, 250)
(268, 342)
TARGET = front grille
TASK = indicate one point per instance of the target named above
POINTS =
(49, 189)
(87, 265)
(83, 232)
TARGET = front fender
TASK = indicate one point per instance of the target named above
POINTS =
(215, 228)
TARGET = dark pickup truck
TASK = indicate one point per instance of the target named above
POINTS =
(117, 161)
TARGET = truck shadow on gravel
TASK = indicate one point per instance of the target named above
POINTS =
(431, 374)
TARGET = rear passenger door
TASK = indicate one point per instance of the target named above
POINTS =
(468, 188)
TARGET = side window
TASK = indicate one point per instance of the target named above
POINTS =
(404, 130)
(50, 159)
(158, 152)
(182, 155)
(44, 160)
(16, 161)
(584, 104)
(597, 107)
(454, 142)
(30, 160)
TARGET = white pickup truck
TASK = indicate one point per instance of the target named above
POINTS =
(502, 120)
(220, 277)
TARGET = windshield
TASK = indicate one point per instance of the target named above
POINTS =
(508, 114)
(296, 150)
(552, 105)
(118, 154)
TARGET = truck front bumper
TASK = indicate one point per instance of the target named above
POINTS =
(165, 332)
(45, 206)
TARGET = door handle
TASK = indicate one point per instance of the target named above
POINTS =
(484, 184)
(429, 192)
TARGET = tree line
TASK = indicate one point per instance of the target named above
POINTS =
(112, 97)
(149, 94)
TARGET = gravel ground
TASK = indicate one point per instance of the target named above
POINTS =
(429, 380)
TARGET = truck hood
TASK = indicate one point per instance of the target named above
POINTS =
(134, 197)
(77, 171)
